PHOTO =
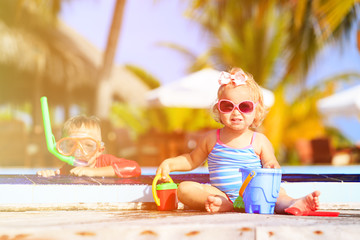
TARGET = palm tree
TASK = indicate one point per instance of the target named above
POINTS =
(246, 34)
(314, 24)
(277, 42)
(34, 61)
(108, 58)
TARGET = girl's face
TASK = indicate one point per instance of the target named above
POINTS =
(237, 120)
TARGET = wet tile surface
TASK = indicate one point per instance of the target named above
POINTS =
(14, 179)
(73, 180)
(142, 180)
(63, 180)
(321, 178)
(147, 179)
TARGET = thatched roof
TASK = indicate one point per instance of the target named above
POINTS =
(55, 62)
(59, 61)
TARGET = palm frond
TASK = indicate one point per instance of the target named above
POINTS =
(143, 75)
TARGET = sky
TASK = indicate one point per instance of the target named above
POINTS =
(148, 23)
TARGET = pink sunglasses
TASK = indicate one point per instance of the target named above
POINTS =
(227, 106)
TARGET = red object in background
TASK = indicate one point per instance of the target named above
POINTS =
(358, 39)
(358, 36)
(168, 200)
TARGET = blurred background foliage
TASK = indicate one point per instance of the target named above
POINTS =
(161, 119)
(275, 40)
(146, 77)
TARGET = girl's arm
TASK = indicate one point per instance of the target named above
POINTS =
(267, 155)
(188, 161)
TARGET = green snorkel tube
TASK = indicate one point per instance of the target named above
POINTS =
(50, 139)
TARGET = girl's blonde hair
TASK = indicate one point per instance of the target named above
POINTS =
(256, 93)
(79, 121)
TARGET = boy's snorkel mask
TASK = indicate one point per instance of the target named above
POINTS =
(82, 147)
(50, 139)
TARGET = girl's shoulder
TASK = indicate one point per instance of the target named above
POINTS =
(260, 140)
(212, 138)
(259, 136)
(209, 139)
(211, 135)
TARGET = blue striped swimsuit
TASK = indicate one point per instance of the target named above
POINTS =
(224, 163)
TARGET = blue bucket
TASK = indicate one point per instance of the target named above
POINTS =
(262, 191)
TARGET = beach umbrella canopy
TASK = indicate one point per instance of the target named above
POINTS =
(344, 103)
(197, 90)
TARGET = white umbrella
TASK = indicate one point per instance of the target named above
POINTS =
(197, 90)
(344, 103)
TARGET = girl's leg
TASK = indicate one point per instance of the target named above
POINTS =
(203, 197)
(309, 202)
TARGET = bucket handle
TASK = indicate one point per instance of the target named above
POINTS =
(246, 182)
(156, 179)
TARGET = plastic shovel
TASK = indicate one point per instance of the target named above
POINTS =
(295, 211)
(239, 202)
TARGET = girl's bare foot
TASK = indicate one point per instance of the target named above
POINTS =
(216, 203)
(308, 203)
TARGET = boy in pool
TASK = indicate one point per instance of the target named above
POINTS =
(240, 107)
(82, 140)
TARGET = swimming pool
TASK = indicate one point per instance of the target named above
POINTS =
(20, 182)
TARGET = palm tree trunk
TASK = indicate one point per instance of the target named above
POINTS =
(358, 39)
(37, 94)
(105, 71)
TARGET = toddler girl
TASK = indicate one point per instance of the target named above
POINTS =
(240, 108)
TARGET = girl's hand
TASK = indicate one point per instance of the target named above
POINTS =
(271, 165)
(164, 171)
(48, 173)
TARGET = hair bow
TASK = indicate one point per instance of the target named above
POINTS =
(238, 78)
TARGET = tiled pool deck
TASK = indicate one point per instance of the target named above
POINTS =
(180, 224)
